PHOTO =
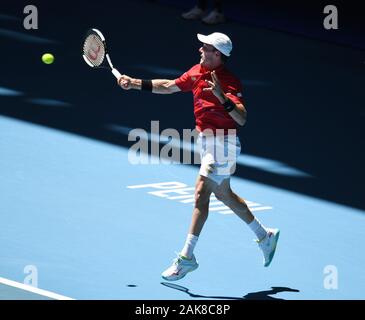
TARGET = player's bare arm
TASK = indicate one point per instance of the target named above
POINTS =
(159, 86)
(238, 113)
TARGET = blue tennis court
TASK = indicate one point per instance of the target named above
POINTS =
(81, 221)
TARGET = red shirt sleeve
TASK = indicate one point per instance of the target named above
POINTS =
(234, 92)
(185, 82)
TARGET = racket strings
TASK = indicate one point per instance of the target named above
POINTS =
(94, 50)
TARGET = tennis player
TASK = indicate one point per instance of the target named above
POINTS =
(218, 108)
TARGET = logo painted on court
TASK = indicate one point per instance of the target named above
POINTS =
(182, 193)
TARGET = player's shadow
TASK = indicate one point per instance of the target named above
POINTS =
(260, 295)
(266, 295)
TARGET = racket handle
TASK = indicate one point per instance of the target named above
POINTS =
(116, 73)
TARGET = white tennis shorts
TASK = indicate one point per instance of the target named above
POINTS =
(218, 156)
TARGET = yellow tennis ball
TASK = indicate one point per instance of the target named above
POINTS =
(48, 58)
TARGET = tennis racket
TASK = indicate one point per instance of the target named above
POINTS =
(95, 52)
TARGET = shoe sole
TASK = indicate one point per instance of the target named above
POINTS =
(182, 276)
(273, 252)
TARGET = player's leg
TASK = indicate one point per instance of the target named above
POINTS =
(186, 262)
(203, 190)
(224, 193)
(267, 237)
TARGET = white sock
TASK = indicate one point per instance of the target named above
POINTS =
(258, 229)
(189, 246)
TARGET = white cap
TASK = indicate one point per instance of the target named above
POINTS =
(219, 41)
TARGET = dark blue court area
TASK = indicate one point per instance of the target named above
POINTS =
(80, 221)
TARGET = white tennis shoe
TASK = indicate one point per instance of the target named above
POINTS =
(179, 268)
(193, 14)
(214, 17)
(268, 245)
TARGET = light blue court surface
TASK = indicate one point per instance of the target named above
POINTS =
(94, 226)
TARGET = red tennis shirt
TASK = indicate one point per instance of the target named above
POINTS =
(209, 112)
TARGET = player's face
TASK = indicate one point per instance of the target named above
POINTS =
(208, 55)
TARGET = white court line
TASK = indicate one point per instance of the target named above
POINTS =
(261, 208)
(28, 288)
